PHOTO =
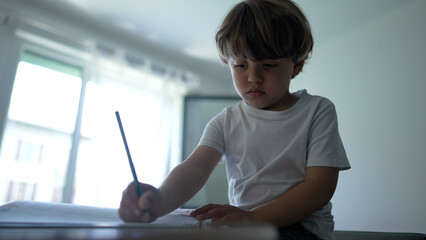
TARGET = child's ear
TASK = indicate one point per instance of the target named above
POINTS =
(297, 68)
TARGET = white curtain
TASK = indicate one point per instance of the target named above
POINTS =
(150, 106)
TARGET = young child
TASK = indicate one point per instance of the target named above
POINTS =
(282, 150)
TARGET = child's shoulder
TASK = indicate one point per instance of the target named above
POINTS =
(313, 98)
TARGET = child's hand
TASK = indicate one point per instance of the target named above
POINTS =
(222, 214)
(146, 208)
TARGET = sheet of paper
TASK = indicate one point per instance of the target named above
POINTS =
(45, 213)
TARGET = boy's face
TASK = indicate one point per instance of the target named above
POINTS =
(265, 84)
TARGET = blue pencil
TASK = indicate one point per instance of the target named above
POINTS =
(135, 177)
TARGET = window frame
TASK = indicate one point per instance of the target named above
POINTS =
(65, 55)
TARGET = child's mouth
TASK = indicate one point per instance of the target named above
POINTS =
(256, 93)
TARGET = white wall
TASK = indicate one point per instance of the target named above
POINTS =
(376, 75)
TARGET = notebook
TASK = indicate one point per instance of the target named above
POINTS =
(46, 214)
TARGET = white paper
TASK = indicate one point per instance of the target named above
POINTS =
(32, 212)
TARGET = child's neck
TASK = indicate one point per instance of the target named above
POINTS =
(288, 101)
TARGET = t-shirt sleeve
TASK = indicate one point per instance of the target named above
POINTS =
(213, 134)
(325, 147)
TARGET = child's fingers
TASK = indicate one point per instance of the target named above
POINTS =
(226, 220)
(129, 196)
(209, 211)
(221, 214)
(139, 209)
(129, 209)
(146, 199)
(203, 209)
(128, 214)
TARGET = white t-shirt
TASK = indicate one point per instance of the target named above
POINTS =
(266, 152)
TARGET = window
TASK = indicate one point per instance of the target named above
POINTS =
(150, 111)
(41, 120)
(62, 141)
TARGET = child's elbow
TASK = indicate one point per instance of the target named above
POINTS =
(323, 181)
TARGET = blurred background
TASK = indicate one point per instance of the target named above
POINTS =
(67, 65)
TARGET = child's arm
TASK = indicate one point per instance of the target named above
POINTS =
(288, 208)
(302, 200)
(189, 177)
(181, 184)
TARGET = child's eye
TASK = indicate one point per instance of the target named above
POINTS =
(239, 65)
(269, 65)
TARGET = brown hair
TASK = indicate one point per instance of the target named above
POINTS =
(265, 29)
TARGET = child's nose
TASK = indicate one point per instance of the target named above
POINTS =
(255, 75)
